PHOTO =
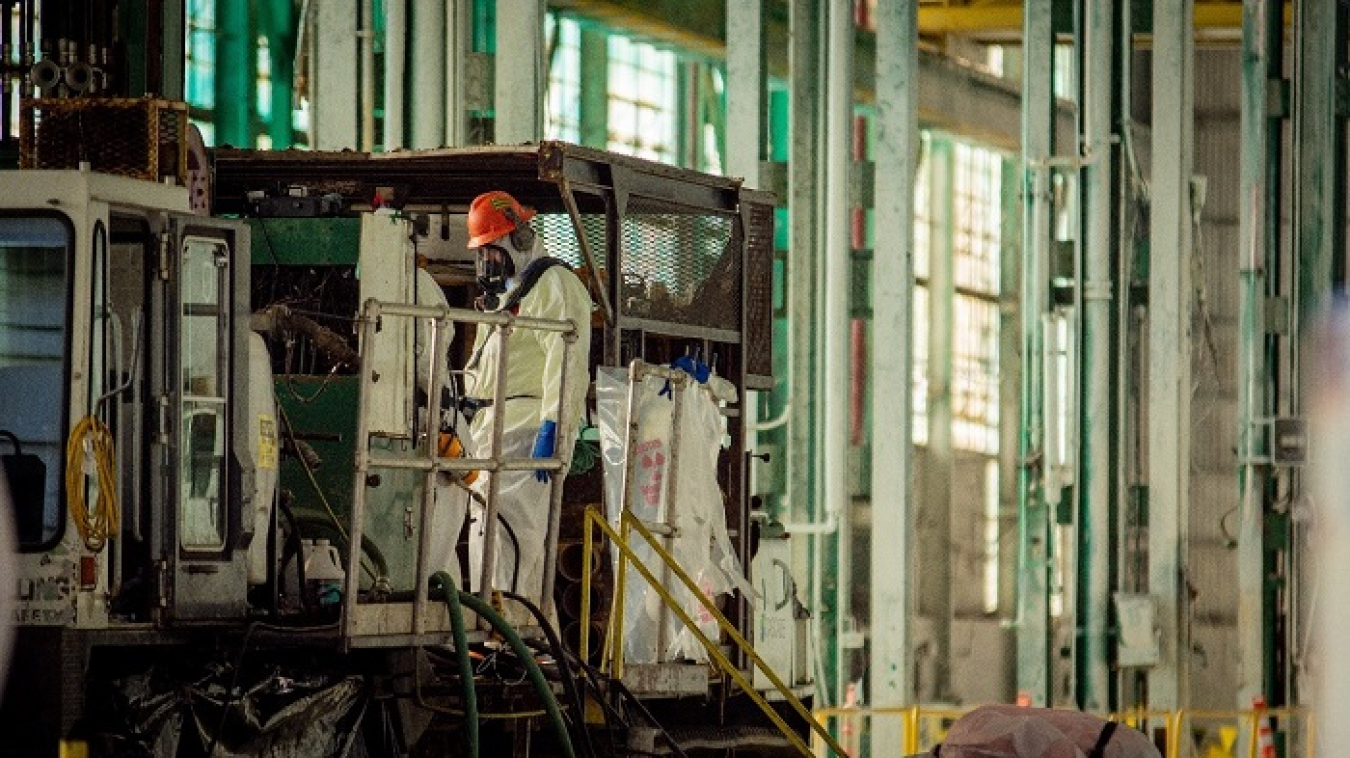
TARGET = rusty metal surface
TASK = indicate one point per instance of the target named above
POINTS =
(666, 679)
(452, 177)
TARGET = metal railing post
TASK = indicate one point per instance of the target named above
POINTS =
(555, 491)
(428, 461)
(360, 465)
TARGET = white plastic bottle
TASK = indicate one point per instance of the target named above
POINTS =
(324, 575)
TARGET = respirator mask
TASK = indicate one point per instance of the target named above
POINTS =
(497, 264)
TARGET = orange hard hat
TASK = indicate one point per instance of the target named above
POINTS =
(493, 215)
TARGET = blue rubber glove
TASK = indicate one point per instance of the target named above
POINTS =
(544, 444)
(693, 367)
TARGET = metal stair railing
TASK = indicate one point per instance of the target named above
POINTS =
(626, 555)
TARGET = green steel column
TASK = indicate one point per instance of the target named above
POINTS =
(281, 35)
(934, 530)
(365, 34)
(897, 153)
(1262, 59)
(776, 415)
(1095, 409)
(172, 44)
(236, 74)
(594, 88)
(133, 29)
(1169, 347)
(1033, 528)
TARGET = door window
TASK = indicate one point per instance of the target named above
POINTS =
(203, 382)
(34, 310)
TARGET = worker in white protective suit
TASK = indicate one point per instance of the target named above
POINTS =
(545, 386)
(450, 500)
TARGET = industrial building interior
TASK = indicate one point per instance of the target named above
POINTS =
(1045, 274)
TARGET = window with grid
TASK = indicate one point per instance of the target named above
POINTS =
(977, 235)
(976, 240)
(975, 375)
(200, 65)
(642, 100)
(562, 114)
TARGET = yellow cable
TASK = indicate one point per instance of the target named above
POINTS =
(94, 528)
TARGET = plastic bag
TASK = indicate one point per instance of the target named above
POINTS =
(701, 546)
(1009, 731)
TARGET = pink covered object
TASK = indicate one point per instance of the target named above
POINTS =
(1009, 731)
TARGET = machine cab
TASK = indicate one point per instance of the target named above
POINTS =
(123, 401)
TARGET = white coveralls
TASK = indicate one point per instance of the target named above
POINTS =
(535, 388)
(450, 502)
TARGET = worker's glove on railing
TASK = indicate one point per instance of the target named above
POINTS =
(691, 366)
(544, 445)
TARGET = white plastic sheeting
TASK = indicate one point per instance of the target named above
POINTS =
(696, 513)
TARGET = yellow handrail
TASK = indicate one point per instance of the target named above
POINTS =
(626, 554)
(1175, 723)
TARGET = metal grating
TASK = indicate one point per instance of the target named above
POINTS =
(140, 138)
(680, 265)
(560, 237)
(758, 336)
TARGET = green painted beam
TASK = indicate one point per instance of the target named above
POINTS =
(280, 27)
(236, 74)
(133, 28)
(594, 88)
(305, 241)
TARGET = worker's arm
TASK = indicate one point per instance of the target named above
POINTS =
(561, 296)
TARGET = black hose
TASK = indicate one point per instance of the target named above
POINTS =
(297, 543)
(612, 715)
(633, 700)
(511, 534)
(477, 605)
(564, 668)
(515, 545)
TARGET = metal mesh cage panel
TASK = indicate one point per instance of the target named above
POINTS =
(139, 138)
(680, 265)
(561, 241)
(759, 291)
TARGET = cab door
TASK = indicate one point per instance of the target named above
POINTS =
(206, 471)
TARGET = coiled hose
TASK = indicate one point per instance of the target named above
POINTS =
(559, 654)
(522, 651)
(95, 527)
